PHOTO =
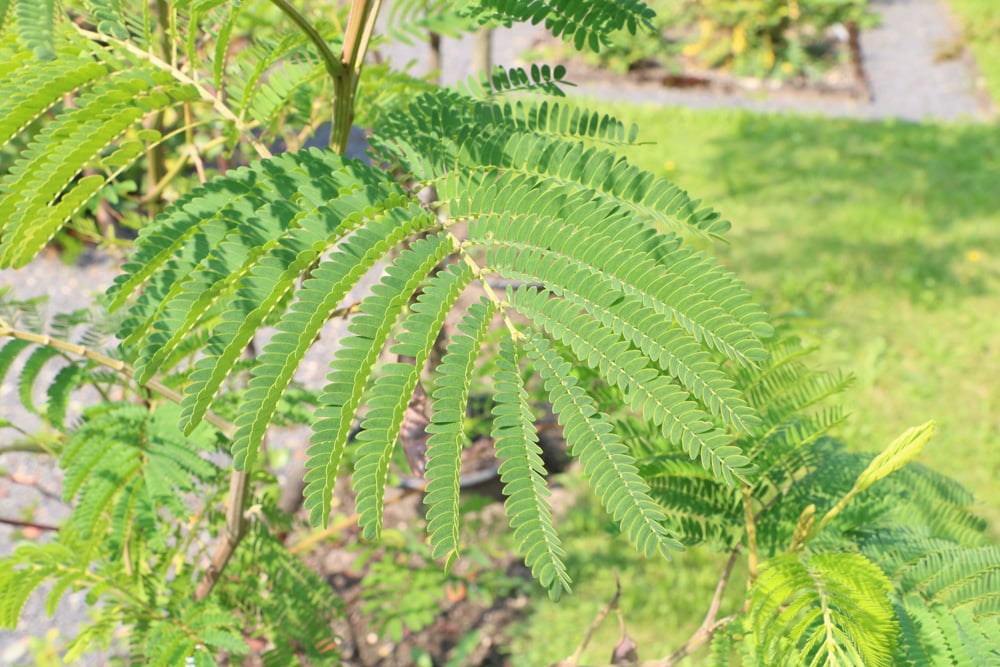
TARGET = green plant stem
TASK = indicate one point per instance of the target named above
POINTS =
(236, 525)
(333, 65)
(155, 166)
(162, 21)
(751, 528)
(156, 156)
(803, 528)
(181, 161)
(230, 539)
(360, 27)
(817, 528)
(192, 147)
(41, 442)
(24, 447)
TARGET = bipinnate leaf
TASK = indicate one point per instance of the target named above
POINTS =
(524, 194)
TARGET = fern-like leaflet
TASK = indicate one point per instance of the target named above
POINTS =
(522, 472)
(447, 436)
(586, 25)
(381, 425)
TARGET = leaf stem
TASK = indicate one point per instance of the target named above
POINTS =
(333, 65)
(230, 539)
(487, 288)
(6, 330)
(574, 659)
(205, 94)
(24, 447)
(751, 528)
(175, 168)
(27, 524)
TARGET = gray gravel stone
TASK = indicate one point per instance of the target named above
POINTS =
(908, 78)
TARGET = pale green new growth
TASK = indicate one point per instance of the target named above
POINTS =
(824, 609)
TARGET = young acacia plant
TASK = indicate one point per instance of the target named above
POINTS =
(539, 248)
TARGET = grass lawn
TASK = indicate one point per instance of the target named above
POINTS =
(980, 20)
(662, 603)
(881, 241)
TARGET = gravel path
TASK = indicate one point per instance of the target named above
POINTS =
(906, 80)
(901, 62)
(907, 76)
(31, 486)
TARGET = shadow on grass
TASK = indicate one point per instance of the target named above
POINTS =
(925, 273)
(909, 207)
